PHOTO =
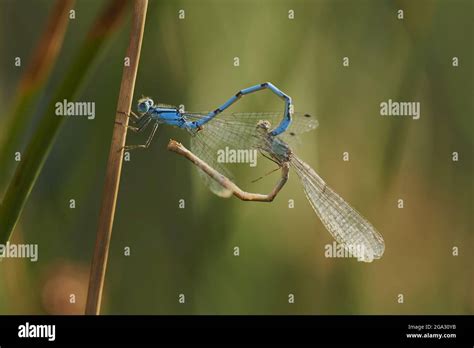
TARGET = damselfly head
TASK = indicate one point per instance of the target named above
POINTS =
(144, 104)
(263, 125)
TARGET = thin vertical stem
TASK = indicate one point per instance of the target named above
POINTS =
(114, 165)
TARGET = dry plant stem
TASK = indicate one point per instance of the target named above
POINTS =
(226, 182)
(114, 165)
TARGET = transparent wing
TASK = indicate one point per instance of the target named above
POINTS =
(238, 132)
(300, 123)
(243, 124)
(345, 224)
(205, 147)
(214, 137)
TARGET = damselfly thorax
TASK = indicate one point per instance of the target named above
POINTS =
(274, 147)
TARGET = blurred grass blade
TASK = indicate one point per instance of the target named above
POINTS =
(34, 77)
(42, 140)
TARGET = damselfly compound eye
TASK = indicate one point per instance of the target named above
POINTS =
(144, 104)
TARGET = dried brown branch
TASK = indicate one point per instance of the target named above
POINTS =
(226, 182)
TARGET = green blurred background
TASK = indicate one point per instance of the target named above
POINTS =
(190, 251)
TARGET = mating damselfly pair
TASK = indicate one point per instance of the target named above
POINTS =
(214, 130)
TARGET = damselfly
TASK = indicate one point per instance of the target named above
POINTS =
(213, 131)
(344, 223)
